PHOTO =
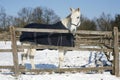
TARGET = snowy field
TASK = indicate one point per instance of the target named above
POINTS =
(49, 59)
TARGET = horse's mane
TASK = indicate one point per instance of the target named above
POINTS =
(68, 16)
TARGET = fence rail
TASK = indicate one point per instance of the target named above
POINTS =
(108, 41)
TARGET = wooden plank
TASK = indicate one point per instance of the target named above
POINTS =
(89, 41)
(11, 67)
(91, 37)
(14, 50)
(93, 43)
(10, 50)
(6, 67)
(42, 30)
(94, 32)
(61, 47)
(116, 70)
(5, 50)
(95, 49)
(64, 31)
(66, 69)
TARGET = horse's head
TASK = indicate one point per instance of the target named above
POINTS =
(74, 20)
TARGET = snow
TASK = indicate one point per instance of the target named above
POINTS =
(65, 76)
(49, 59)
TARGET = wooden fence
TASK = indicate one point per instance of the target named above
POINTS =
(108, 41)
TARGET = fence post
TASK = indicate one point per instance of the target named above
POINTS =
(115, 52)
(14, 51)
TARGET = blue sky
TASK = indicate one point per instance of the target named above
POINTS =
(89, 8)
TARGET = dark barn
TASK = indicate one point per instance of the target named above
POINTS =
(44, 38)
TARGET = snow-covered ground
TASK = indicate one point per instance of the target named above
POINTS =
(49, 59)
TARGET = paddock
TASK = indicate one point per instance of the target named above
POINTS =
(107, 41)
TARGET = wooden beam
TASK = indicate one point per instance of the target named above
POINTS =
(6, 67)
(10, 50)
(5, 50)
(14, 50)
(116, 70)
(64, 31)
(59, 70)
(94, 32)
(93, 37)
(61, 47)
(41, 30)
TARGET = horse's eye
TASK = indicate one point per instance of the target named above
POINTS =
(78, 17)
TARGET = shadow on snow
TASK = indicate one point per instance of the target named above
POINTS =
(41, 66)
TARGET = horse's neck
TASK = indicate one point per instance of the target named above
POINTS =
(66, 22)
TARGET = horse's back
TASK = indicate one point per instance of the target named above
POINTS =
(58, 25)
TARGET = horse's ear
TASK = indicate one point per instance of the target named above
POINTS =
(78, 9)
(72, 10)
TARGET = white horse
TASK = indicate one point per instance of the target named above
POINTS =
(71, 22)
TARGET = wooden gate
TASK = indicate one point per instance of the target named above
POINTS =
(107, 40)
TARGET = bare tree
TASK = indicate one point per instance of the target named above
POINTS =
(116, 22)
(50, 17)
(44, 15)
(37, 15)
(87, 24)
(24, 16)
(2, 18)
(104, 22)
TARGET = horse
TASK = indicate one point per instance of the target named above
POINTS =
(71, 23)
